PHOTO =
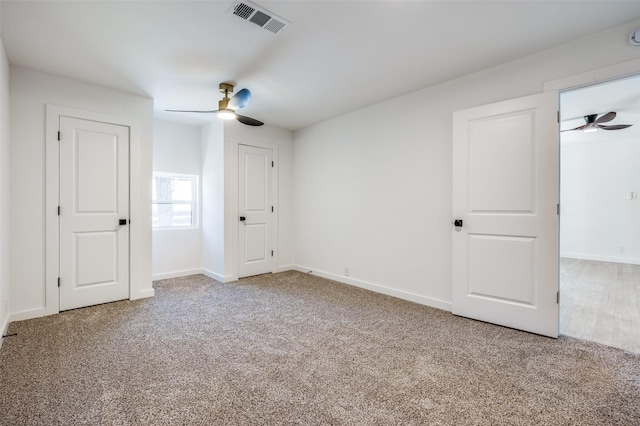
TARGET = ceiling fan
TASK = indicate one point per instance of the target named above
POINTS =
(227, 106)
(593, 123)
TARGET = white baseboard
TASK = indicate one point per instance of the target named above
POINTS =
(218, 277)
(612, 259)
(28, 314)
(143, 294)
(285, 268)
(176, 274)
(4, 327)
(400, 294)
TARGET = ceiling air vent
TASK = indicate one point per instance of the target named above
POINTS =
(259, 16)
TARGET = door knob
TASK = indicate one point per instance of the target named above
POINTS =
(457, 222)
(122, 222)
(242, 218)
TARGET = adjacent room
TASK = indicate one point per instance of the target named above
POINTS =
(599, 219)
(314, 212)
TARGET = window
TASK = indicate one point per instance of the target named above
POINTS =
(174, 200)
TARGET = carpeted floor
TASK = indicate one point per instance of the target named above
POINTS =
(293, 348)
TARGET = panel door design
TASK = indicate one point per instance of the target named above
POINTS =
(505, 177)
(255, 208)
(94, 196)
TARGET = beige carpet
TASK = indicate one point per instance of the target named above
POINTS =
(296, 349)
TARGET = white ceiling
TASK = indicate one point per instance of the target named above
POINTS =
(335, 57)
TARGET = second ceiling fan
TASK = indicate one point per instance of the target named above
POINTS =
(227, 106)
(593, 123)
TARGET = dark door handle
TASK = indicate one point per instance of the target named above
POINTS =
(457, 222)
(242, 218)
(122, 222)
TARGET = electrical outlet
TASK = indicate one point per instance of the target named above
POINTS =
(346, 271)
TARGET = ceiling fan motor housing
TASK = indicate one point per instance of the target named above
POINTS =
(226, 88)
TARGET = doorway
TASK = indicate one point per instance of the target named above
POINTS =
(89, 244)
(600, 216)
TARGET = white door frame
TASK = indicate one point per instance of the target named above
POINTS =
(585, 79)
(234, 247)
(137, 206)
(601, 75)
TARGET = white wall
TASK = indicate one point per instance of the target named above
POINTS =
(4, 190)
(213, 203)
(30, 92)
(597, 218)
(372, 188)
(177, 149)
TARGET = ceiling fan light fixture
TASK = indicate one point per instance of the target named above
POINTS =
(227, 106)
(634, 37)
(227, 114)
(590, 129)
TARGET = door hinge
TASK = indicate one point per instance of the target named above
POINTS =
(558, 209)
(558, 116)
(273, 164)
(58, 210)
(58, 135)
(58, 281)
(558, 297)
(271, 253)
(271, 209)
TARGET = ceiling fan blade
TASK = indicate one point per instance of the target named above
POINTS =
(182, 110)
(577, 128)
(606, 118)
(615, 127)
(248, 120)
(240, 99)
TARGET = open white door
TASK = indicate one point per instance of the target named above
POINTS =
(94, 213)
(256, 210)
(505, 191)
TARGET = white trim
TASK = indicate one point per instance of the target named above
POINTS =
(143, 294)
(285, 268)
(52, 253)
(600, 75)
(28, 314)
(405, 295)
(218, 277)
(176, 274)
(4, 327)
(137, 206)
(611, 259)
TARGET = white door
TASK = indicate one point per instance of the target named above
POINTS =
(505, 191)
(94, 198)
(256, 210)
